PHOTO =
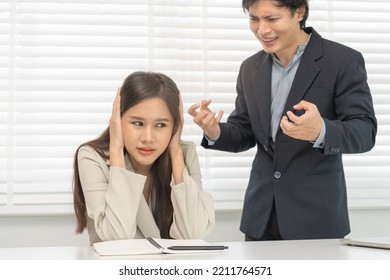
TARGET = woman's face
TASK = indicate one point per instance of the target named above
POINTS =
(147, 130)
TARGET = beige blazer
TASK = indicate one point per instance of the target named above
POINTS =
(117, 209)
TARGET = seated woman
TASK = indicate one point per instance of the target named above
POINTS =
(138, 179)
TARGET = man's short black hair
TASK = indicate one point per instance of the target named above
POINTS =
(292, 5)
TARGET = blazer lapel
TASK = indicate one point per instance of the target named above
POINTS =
(306, 73)
(262, 93)
(145, 220)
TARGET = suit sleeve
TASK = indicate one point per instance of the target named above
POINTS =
(112, 196)
(354, 129)
(193, 210)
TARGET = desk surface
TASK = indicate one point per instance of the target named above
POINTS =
(330, 249)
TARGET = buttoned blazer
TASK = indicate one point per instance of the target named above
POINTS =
(117, 209)
(307, 184)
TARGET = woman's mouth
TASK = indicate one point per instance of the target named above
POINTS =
(146, 151)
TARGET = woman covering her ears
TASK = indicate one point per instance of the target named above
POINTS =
(138, 179)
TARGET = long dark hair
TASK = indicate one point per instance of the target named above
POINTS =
(292, 5)
(137, 87)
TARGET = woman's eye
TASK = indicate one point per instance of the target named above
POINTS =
(161, 125)
(137, 123)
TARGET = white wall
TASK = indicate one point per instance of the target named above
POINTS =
(29, 231)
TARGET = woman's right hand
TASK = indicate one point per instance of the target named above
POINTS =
(116, 136)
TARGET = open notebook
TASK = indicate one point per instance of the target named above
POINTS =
(154, 246)
(372, 242)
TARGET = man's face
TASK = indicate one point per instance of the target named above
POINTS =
(275, 27)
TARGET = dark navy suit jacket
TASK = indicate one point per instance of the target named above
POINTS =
(306, 183)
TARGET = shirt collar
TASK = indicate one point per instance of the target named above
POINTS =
(300, 50)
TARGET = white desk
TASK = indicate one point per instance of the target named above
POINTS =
(330, 249)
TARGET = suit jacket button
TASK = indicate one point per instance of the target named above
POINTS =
(265, 148)
(277, 174)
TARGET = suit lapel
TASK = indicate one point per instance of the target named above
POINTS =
(306, 73)
(262, 90)
(145, 220)
(304, 77)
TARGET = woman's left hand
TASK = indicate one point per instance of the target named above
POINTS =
(175, 150)
(175, 141)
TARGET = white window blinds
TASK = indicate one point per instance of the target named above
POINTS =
(365, 25)
(62, 61)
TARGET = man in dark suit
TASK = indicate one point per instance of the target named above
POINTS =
(303, 101)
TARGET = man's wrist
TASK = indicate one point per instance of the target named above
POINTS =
(211, 140)
(320, 141)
